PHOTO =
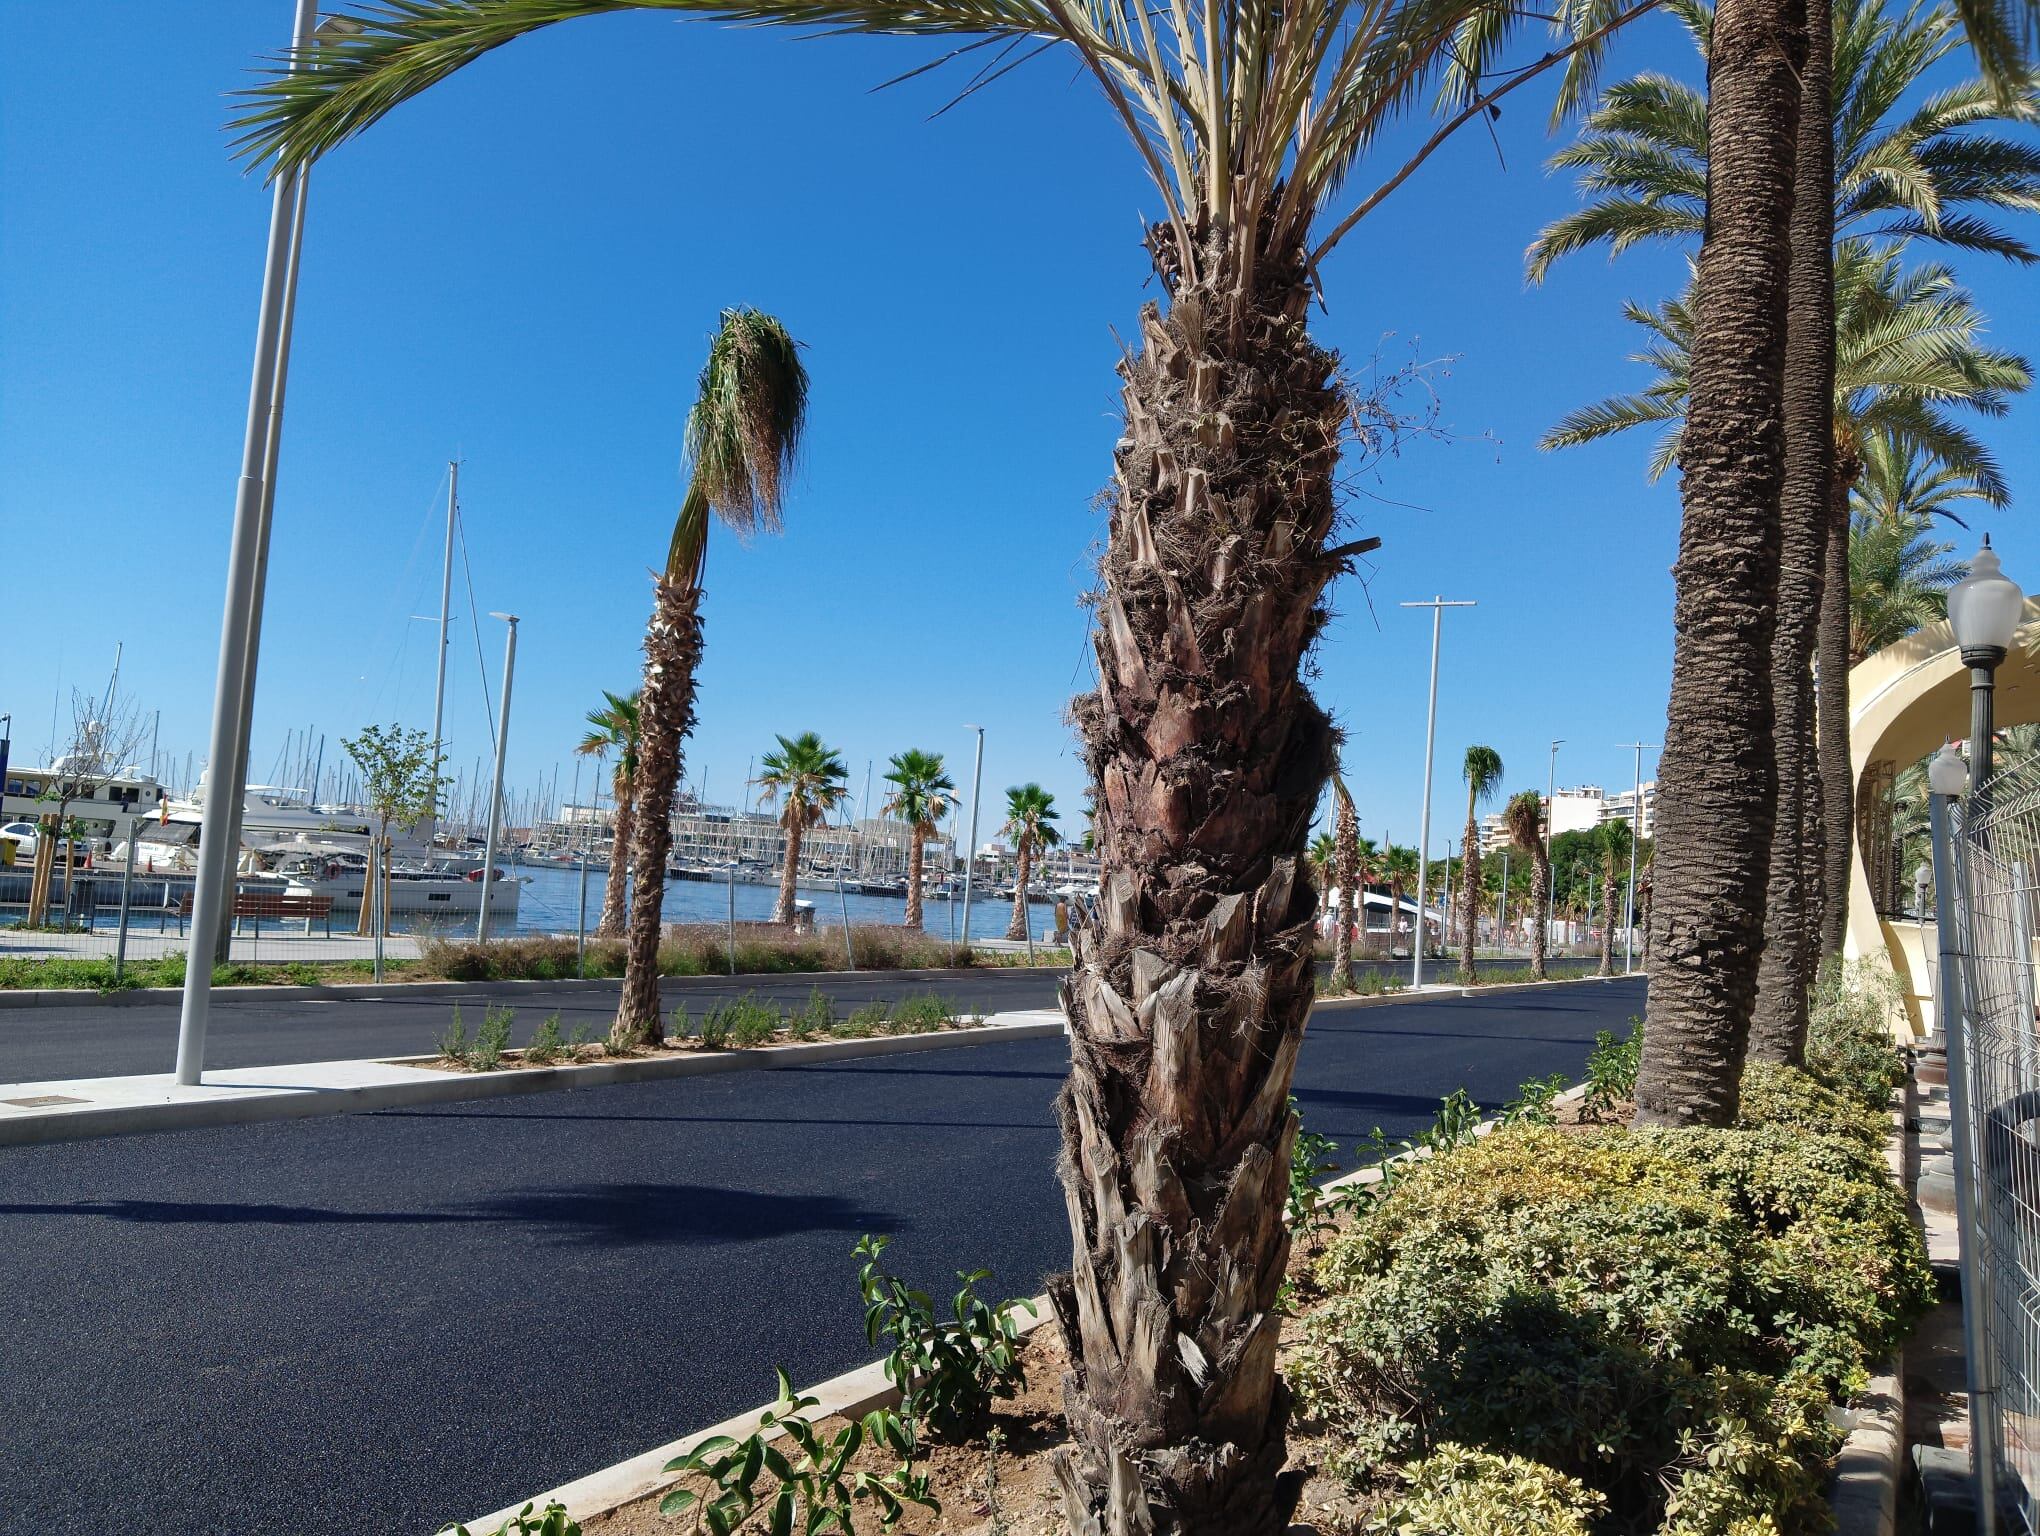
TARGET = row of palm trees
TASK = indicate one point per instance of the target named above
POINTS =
(808, 781)
(1258, 127)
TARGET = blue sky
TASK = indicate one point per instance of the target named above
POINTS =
(522, 267)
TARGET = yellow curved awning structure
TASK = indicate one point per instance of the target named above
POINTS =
(1904, 701)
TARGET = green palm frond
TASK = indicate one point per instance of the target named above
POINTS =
(922, 789)
(1482, 771)
(1899, 577)
(806, 778)
(1248, 118)
(1932, 167)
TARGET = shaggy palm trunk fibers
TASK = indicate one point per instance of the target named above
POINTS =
(665, 716)
(1191, 983)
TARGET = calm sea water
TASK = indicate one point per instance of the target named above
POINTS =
(550, 903)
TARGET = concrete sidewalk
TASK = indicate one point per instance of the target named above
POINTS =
(78, 1108)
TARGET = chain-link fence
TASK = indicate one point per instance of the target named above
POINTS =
(1994, 1064)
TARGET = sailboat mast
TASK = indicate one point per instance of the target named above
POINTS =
(445, 610)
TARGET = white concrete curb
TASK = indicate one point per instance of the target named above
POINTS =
(124, 1106)
(1871, 1464)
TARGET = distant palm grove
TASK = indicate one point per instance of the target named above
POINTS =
(1818, 383)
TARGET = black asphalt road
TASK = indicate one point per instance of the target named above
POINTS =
(117, 1039)
(378, 1322)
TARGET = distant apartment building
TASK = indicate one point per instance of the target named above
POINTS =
(1579, 809)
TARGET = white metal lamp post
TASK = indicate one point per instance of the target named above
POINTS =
(1984, 609)
(1437, 605)
(977, 781)
(496, 785)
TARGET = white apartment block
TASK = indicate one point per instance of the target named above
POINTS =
(1579, 809)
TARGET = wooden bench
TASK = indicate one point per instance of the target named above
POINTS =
(261, 904)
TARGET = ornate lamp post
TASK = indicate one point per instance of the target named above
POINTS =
(1984, 609)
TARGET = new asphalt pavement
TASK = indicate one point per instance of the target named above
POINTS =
(380, 1322)
(128, 1035)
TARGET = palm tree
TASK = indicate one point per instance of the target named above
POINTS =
(1908, 350)
(1524, 817)
(1899, 576)
(1346, 873)
(920, 798)
(1614, 839)
(1254, 124)
(742, 435)
(614, 728)
(1030, 822)
(807, 780)
(1762, 537)
(1906, 167)
(1321, 856)
(1483, 773)
(1399, 869)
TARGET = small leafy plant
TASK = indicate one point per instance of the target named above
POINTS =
(1307, 1211)
(553, 1522)
(453, 1043)
(1535, 1102)
(546, 1045)
(812, 1490)
(492, 1039)
(715, 1029)
(577, 1042)
(817, 1017)
(915, 1015)
(1611, 1072)
(868, 1020)
(1457, 1125)
(948, 1374)
(752, 1022)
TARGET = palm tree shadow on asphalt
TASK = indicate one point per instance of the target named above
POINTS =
(598, 1215)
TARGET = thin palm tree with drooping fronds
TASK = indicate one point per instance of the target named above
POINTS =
(1255, 125)
(1322, 856)
(1482, 771)
(614, 728)
(1524, 817)
(1031, 823)
(1399, 869)
(806, 779)
(1614, 840)
(1346, 875)
(921, 797)
(742, 436)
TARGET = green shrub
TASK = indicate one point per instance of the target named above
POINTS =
(678, 1025)
(867, 1020)
(949, 1374)
(751, 1022)
(1611, 1071)
(1310, 1158)
(715, 1028)
(816, 1017)
(577, 1042)
(921, 1013)
(1660, 1314)
(1536, 1102)
(1849, 1042)
(453, 1042)
(1780, 1096)
(492, 1039)
(546, 1044)
(555, 1521)
(1456, 1491)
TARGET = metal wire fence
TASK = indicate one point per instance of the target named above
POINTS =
(1994, 1065)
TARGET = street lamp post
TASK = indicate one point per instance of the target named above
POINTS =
(1984, 609)
(234, 679)
(1550, 810)
(496, 784)
(1635, 837)
(977, 780)
(1437, 605)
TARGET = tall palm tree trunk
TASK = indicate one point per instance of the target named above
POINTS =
(1017, 928)
(665, 716)
(1469, 895)
(1190, 988)
(1837, 774)
(1717, 779)
(1608, 923)
(789, 877)
(1793, 902)
(1540, 892)
(1346, 868)
(615, 903)
(915, 863)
